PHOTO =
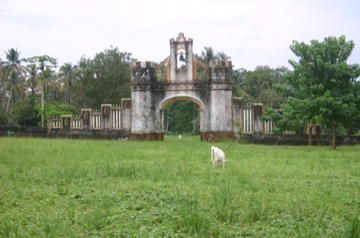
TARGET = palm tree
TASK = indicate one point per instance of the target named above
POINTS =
(33, 76)
(2, 86)
(222, 56)
(207, 54)
(44, 64)
(13, 77)
(68, 75)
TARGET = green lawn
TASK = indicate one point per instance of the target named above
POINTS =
(98, 188)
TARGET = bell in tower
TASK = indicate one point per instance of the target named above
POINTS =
(181, 57)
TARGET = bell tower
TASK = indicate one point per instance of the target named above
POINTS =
(181, 59)
(181, 76)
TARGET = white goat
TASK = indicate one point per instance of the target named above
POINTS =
(217, 155)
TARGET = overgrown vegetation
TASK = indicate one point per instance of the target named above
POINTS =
(34, 88)
(182, 117)
(263, 84)
(88, 188)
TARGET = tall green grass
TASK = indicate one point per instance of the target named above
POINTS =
(82, 188)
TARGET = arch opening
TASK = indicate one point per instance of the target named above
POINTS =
(181, 115)
(170, 100)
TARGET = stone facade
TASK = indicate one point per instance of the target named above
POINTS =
(181, 76)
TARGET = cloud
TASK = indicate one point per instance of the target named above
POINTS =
(36, 22)
(252, 33)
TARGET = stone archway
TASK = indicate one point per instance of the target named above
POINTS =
(171, 99)
(166, 102)
(207, 85)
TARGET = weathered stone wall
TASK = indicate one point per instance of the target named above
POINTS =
(236, 115)
(142, 112)
(126, 114)
(151, 97)
(221, 97)
(149, 103)
(63, 133)
(221, 111)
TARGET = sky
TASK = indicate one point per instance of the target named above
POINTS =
(252, 33)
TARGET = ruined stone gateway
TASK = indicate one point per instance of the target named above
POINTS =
(181, 76)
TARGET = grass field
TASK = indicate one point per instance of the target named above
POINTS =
(89, 188)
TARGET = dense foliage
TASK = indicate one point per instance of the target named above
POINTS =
(182, 117)
(263, 84)
(104, 79)
(33, 89)
(324, 86)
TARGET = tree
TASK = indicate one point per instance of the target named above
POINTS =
(324, 83)
(13, 78)
(68, 75)
(183, 117)
(104, 79)
(263, 84)
(25, 112)
(2, 90)
(33, 76)
(222, 56)
(354, 125)
(45, 64)
(207, 54)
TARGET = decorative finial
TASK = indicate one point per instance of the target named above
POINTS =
(181, 37)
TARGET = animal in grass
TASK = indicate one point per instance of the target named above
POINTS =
(217, 156)
(180, 136)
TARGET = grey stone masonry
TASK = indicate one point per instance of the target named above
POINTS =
(150, 96)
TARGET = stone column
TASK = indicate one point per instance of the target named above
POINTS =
(190, 60)
(172, 60)
(144, 124)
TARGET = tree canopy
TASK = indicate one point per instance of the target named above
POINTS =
(263, 84)
(39, 88)
(104, 79)
(325, 86)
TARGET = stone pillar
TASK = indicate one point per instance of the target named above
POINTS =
(172, 60)
(144, 118)
(221, 123)
(220, 102)
(189, 62)
(237, 121)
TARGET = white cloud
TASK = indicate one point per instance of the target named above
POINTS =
(252, 33)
